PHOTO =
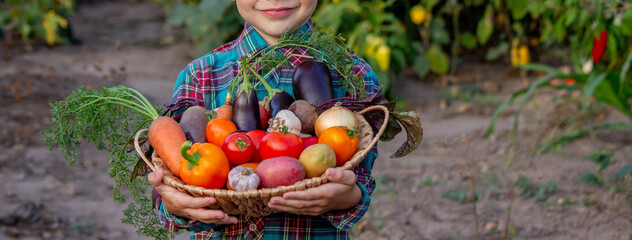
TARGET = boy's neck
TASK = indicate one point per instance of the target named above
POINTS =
(271, 40)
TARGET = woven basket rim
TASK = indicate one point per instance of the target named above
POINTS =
(367, 141)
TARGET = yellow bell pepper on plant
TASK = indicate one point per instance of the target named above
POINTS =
(520, 55)
(418, 14)
(371, 44)
(383, 57)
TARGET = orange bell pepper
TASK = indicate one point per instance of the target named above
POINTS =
(204, 165)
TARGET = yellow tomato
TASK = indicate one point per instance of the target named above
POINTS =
(417, 14)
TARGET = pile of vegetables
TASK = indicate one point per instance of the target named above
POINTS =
(241, 158)
(243, 144)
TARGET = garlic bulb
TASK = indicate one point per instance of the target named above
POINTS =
(242, 179)
(285, 118)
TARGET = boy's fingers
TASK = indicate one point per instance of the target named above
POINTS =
(344, 177)
(297, 203)
(307, 194)
(193, 202)
(155, 178)
(211, 216)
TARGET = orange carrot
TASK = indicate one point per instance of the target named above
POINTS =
(166, 136)
(225, 111)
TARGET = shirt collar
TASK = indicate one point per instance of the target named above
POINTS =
(250, 41)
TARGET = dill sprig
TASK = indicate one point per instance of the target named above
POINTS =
(323, 46)
(108, 119)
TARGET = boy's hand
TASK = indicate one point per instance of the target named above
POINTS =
(341, 192)
(184, 205)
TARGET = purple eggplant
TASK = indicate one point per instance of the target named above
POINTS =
(280, 101)
(246, 107)
(312, 82)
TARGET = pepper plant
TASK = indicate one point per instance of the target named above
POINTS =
(598, 34)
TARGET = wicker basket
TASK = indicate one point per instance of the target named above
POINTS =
(254, 202)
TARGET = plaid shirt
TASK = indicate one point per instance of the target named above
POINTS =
(206, 80)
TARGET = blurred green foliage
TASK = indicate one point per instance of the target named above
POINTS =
(38, 19)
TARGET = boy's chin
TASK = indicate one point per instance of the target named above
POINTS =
(275, 31)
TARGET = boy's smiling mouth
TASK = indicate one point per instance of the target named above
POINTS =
(277, 12)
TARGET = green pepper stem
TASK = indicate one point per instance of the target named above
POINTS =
(192, 159)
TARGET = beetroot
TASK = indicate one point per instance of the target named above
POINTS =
(280, 171)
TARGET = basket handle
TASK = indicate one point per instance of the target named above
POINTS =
(140, 152)
(384, 124)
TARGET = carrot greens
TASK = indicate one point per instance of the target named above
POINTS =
(108, 119)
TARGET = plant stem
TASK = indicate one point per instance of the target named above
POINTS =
(457, 35)
(473, 181)
(513, 197)
(192, 159)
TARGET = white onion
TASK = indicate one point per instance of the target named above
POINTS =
(334, 117)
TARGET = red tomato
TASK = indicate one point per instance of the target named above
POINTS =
(308, 141)
(256, 136)
(264, 115)
(276, 144)
(238, 148)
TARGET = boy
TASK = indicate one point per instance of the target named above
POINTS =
(326, 211)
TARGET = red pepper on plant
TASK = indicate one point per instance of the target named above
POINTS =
(599, 46)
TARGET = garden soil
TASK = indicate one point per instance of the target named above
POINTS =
(428, 194)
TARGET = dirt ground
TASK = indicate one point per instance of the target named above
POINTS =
(42, 197)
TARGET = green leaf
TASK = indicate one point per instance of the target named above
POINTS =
(180, 14)
(439, 62)
(213, 10)
(589, 178)
(571, 15)
(560, 30)
(430, 3)
(527, 92)
(622, 172)
(591, 84)
(606, 92)
(569, 136)
(468, 40)
(438, 31)
(626, 22)
(485, 26)
(399, 59)
(611, 46)
(518, 8)
(421, 64)
(456, 195)
(523, 182)
(624, 71)
(601, 159)
(411, 122)
(497, 52)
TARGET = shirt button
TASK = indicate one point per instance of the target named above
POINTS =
(253, 227)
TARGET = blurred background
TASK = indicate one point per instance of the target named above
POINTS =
(526, 109)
